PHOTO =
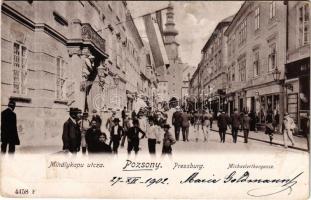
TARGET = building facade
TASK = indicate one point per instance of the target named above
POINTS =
(256, 48)
(297, 68)
(212, 68)
(47, 62)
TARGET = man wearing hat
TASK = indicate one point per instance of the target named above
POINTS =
(168, 140)
(116, 133)
(133, 137)
(71, 132)
(9, 135)
(97, 118)
(288, 129)
(84, 124)
(177, 122)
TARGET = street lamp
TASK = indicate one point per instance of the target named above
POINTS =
(276, 74)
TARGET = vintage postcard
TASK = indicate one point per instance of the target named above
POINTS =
(155, 99)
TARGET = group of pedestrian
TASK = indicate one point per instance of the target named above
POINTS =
(79, 131)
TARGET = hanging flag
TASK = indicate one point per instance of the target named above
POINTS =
(155, 41)
(160, 21)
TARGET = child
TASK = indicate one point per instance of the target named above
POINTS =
(168, 140)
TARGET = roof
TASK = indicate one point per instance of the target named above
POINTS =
(236, 16)
(222, 23)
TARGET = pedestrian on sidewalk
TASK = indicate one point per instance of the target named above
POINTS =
(84, 126)
(288, 129)
(133, 137)
(109, 123)
(71, 132)
(9, 135)
(92, 137)
(276, 121)
(168, 140)
(205, 125)
(235, 124)
(97, 118)
(177, 122)
(116, 133)
(211, 120)
(185, 126)
(246, 120)
(305, 126)
(222, 122)
(197, 123)
(126, 127)
(269, 127)
(153, 136)
(123, 115)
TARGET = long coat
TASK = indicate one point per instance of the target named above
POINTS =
(235, 120)
(185, 120)
(223, 121)
(71, 136)
(177, 118)
(8, 127)
(246, 121)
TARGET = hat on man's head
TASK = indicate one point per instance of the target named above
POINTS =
(116, 120)
(94, 111)
(11, 103)
(167, 126)
(85, 113)
(75, 110)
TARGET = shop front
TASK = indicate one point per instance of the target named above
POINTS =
(298, 99)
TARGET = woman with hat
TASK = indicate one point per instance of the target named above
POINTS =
(116, 133)
(168, 140)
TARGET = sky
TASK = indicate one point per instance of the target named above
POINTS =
(195, 21)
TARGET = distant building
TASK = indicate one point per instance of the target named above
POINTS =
(175, 70)
(212, 69)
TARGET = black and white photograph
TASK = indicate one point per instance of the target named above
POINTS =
(157, 96)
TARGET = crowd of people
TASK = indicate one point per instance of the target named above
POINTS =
(83, 131)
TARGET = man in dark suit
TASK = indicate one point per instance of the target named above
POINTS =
(235, 124)
(177, 122)
(9, 135)
(123, 115)
(133, 137)
(116, 133)
(71, 132)
(223, 120)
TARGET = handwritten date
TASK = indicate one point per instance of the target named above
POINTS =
(138, 180)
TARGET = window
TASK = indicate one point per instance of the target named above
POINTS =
(257, 18)
(19, 69)
(256, 63)
(242, 31)
(303, 25)
(242, 69)
(272, 57)
(60, 78)
(272, 9)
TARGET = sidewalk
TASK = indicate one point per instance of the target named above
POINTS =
(300, 142)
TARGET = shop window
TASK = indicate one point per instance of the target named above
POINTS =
(19, 69)
(303, 25)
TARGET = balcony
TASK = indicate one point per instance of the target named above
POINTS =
(88, 34)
